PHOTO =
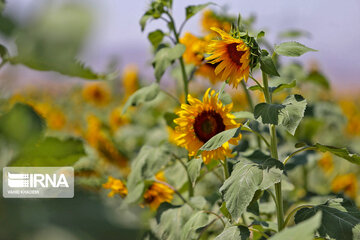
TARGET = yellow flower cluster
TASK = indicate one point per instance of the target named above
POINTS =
(97, 94)
(116, 186)
(158, 193)
(346, 183)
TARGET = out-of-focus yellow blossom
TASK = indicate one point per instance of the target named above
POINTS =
(326, 162)
(195, 49)
(116, 186)
(117, 119)
(158, 193)
(56, 119)
(352, 112)
(97, 93)
(172, 135)
(210, 19)
(346, 183)
(130, 80)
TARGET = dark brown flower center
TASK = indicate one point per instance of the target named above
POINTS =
(234, 54)
(208, 124)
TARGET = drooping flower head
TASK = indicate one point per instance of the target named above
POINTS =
(158, 193)
(116, 186)
(346, 183)
(236, 54)
(199, 121)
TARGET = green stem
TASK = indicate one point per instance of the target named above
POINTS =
(294, 211)
(296, 152)
(274, 154)
(191, 187)
(251, 105)
(226, 169)
(181, 60)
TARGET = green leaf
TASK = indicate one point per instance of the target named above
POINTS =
(225, 211)
(164, 58)
(340, 219)
(193, 167)
(283, 86)
(193, 9)
(340, 152)
(169, 118)
(156, 37)
(261, 34)
(267, 65)
(142, 95)
(50, 152)
(248, 177)
(255, 88)
(7, 26)
(318, 78)
(234, 233)
(4, 54)
(144, 19)
(172, 222)
(288, 114)
(53, 41)
(147, 163)
(292, 49)
(244, 115)
(219, 139)
(302, 231)
(197, 221)
(21, 125)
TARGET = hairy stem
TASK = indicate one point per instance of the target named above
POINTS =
(274, 154)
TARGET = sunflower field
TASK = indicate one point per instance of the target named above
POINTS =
(231, 136)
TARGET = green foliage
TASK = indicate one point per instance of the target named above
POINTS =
(318, 78)
(50, 152)
(193, 168)
(292, 49)
(283, 86)
(169, 118)
(301, 231)
(267, 65)
(145, 94)
(219, 139)
(234, 233)
(53, 40)
(164, 58)
(244, 115)
(288, 114)
(193, 9)
(21, 125)
(156, 37)
(340, 219)
(148, 162)
(294, 34)
(248, 176)
(340, 152)
(197, 221)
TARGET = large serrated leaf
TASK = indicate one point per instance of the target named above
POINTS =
(340, 219)
(197, 221)
(142, 95)
(301, 231)
(292, 49)
(248, 177)
(288, 114)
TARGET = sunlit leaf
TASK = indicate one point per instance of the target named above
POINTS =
(234, 233)
(292, 49)
(219, 139)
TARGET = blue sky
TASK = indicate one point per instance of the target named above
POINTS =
(334, 28)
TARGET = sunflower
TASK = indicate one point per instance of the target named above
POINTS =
(195, 49)
(97, 94)
(326, 163)
(116, 186)
(346, 183)
(199, 121)
(211, 19)
(130, 80)
(207, 70)
(158, 193)
(233, 56)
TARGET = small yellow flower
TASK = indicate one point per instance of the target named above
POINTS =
(346, 183)
(130, 80)
(326, 163)
(233, 56)
(158, 193)
(116, 119)
(116, 186)
(97, 94)
(199, 121)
